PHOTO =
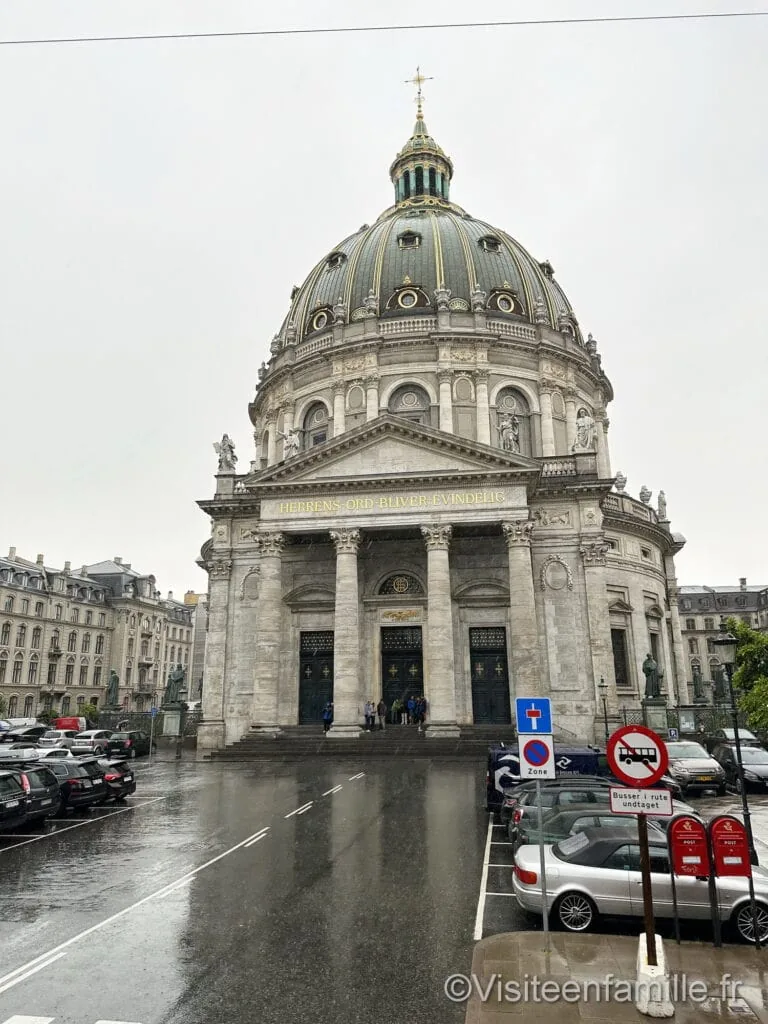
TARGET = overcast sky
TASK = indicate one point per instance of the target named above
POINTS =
(158, 200)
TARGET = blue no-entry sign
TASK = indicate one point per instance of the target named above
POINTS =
(534, 715)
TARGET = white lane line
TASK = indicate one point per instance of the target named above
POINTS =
(500, 893)
(23, 835)
(53, 954)
(22, 973)
(20, 1019)
(480, 915)
(79, 824)
(299, 810)
(334, 790)
(510, 866)
(115, 1022)
(502, 844)
(258, 836)
(499, 826)
(358, 776)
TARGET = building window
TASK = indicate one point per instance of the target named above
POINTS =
(709, 623)
(88, 618)
(59, 611)
(13, 704)
(83, 678)
(18, 664)
(620, 659)
(490, 243)
(65, 705)
(5, 634)
(711, 649)
(173, 655)
(95, 701)
(86, 644)
(704, 602)
(693, 646)
(409, 240)
(32, 675)
(74, 615)
(97, 676)
(9, 604)
(51, 680)
(3, 668)
(741, 602)
(686, 605)
(21, 635)
(80, 701)
(690, 624)
(130, 646)
(173, 633)
(69, 674)
(72, 641)
(157, 652)
(102, 619)
(100, 644)
(28, 704)
(315, 429)
(128, 673)
(55, 640)
(25, 607)
(410, 402)
(39, 609)
(646, 554)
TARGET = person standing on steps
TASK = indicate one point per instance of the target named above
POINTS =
(411, 708)
(327, 716)
(370, 715)
(381, 711)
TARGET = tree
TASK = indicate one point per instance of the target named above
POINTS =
(750, 680)
(3, 706)
(89, 711)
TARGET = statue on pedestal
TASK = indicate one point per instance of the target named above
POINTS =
(174, 686)
(585, 432)
(225, 449)
(651, 673)
(509, 432)
(698, 685)
(113, 687)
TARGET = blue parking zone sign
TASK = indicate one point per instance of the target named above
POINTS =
(153, 711)
(534, 715)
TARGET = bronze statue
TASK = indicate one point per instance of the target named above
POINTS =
(698, 684)
(175, 683)
(112, 689)
(651, 673)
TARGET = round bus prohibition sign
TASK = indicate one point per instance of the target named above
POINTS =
(536, 753)
(637, 756)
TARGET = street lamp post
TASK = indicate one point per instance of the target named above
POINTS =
(603, 688)
(727, 643)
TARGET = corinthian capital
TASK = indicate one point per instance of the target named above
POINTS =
(220, 569)
(437, 536)
(594, 553)
(517, 532)
(347, 541)
(271, 543)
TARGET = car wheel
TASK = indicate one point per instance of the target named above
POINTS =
(98, 750)
(576, 912)
(745, 926)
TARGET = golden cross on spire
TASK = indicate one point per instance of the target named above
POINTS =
(417, 80)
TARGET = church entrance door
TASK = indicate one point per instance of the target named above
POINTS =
(402, 665)
(490, 678)
(315, 674)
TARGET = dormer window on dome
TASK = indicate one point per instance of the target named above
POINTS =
(319, 320)
(407, 298)
(505, 302)
(335, 260)
(490, 243)
(409, 240)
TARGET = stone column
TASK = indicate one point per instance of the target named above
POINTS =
(524, 642)
(211, 731)
(287, 423)
(547, 426)
(679, 669)
(440, 683)
(570, 419)
(371, 397)
(268, 634)
(483, 411)
(339, 399)
(446, 404)
(601, 437)
(593, 552)
(346, 636)
(271, 439)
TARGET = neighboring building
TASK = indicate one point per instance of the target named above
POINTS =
(62, 632)
(429, 508)
(199, 604)
(702, 608)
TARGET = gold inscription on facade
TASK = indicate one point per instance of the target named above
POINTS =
(391, 502)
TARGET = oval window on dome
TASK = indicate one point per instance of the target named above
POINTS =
(320, 320)
(505, 302)
(407, 299)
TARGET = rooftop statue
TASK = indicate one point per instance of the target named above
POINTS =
(585, 432)
(225, 449)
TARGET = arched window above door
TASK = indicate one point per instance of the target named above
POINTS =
(411, 402)
(315, 425)
(401, 584)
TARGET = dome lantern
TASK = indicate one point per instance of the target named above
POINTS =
(421, 168)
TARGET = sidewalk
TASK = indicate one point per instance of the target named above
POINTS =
(581, 958)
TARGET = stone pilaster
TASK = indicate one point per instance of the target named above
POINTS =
(593, 554)
(570, 419)
(271, 438)
(524, 641)
(547, 424)
(601, 439)
(268, 633)
(446, 403)
(680, 667)
(483, 409)
(439, 668)
(346, 636)
(211, 731)
(371, 397)
(339, 411)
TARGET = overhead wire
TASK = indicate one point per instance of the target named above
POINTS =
(339, 30)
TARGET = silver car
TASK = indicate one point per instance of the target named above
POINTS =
(597, 872)
(694, 769)
(58, 738)
(92, 741)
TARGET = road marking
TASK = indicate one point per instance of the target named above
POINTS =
(115, 1022)
(499, 826)
(24, 835)
(258, 836)
(480, 915)
(500, 893)
(334, 790)
(20, 1019)
(79, 824)
(502, 844)
(22, 973)
(358, 776)
(501, 865)
(299, 810)
(45, 959)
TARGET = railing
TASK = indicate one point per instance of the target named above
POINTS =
(509, 330)
(558, 467)
(627, 506)
(306, 348)
(411, 325)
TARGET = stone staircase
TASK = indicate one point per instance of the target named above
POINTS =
(302, 741)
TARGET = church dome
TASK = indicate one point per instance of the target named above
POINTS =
(423, 250)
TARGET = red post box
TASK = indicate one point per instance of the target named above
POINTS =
(688, 847)
(730, 848)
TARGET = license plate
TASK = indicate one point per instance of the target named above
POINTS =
(87, 783)
(12, 803)
(127, 778)
(44, 803)
(706, 778)
(97, 782)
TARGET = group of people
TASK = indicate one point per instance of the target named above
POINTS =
(404, 712)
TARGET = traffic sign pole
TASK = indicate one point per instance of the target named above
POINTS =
(543, 868)
(645, 870)
(151, 736)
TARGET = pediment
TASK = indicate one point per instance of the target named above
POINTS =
(387, 447)
(482, 590)
(310, 595)
(620, 606)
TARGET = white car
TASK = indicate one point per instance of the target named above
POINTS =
(58, 738)
(92, 741)
(52, 753)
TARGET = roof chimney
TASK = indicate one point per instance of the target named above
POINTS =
(11, 552)
(170, 595)
(117, 560)
(84, 571)
(40, 560)
(67, 566)
(126, 565)
(742, 583)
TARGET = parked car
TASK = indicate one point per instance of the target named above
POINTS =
(550, 789)
(52, 753)
(40, 786)
(81, 782)
(13, 801)
(28, 734)
(58, 738)
(120, 778)
(503, 771)
(746, 738)
(129, 744)
(558, 825)
(92, 741)
(19, 752)
(754, 761)
(597, 872)
(694, 769)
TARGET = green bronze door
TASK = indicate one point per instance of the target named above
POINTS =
(490, 679)
(315, 674)
(402, 668)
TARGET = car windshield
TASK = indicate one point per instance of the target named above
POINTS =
(85, 735)
(119, 736)
(39, 776)
(753, 755)
(686, 750)
(93, 770)
(52, 733)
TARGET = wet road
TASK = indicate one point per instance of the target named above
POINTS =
(260, 892)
